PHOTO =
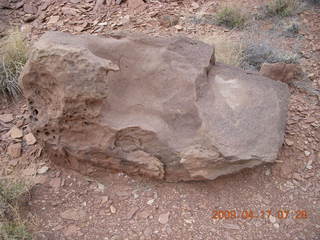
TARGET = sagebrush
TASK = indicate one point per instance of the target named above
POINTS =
(231, 17)
(282, 8)
(12, 59)
(12, 197)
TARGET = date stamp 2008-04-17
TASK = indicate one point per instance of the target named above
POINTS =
(259, 214)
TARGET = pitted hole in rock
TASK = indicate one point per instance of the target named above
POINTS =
(35, 112)
(46, 133)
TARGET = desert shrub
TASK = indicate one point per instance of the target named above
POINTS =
(12, 196)
(226, 51)
(282, 8)
(315, 1)
(231, 17)
(13, 58)
(254, 55)
(14, 231)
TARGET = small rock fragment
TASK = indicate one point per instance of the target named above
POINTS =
(53, 19)
(6, 118)
(20, 123)
(136, 6)
(307, 153)
(276, 225)
(124, 20)
(268, 172)
(30, 139)
(14, 150)
(272, 219)
(104, 199)
(179, 27)
(16, 133)
(289, 142)
(164, 218)
(113, 209)
(43, 170)
(29, 8)
(29, 18)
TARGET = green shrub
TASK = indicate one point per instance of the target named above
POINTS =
(12, 196)
(231, 17)
(282, 8)
(14, 231)
(13, 58)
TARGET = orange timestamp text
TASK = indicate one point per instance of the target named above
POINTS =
(259, 214)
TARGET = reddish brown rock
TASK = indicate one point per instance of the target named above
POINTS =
(16, 132)
(158, 107)
(281, 71)
(14, 150)
(6, 118)
(136, 6)
(30, 139)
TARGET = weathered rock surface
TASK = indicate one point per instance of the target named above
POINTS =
(14, 150)
(158, 107)
(6, 118)
(283, 72)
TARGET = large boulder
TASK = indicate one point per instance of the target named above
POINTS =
(159, 107)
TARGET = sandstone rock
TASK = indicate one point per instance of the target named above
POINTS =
(53, 19)
(16, 132)
(43, 170)
(14, 150)
(281, 71)
(29, 8)
(30, 139)
(6, 118)
(164, 218)
(158, 107)
(136, 6)
(113, 209)
(5, 4)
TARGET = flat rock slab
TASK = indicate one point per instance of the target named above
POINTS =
(159, 107)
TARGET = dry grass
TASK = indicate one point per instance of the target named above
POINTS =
(226, 51)
(231, 17)
(282, 8)
(12, 197)
(13, 57)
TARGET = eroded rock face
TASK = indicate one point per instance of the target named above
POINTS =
(158, 107)
(283, 72)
